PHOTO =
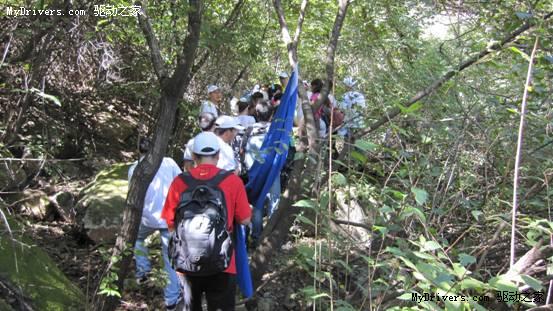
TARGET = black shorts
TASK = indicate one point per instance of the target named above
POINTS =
(219, 289)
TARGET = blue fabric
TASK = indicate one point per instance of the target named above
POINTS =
(263, 174)
(243, 277)
(271, 203)
(274, 150)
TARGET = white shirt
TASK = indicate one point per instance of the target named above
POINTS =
(157, 192)
(255, 141)
(226, 156)
(353, 104)
(208, 106)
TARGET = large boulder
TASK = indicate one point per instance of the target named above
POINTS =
(33, 276)
(104, 201)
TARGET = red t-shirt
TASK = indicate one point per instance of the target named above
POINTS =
(238, 208)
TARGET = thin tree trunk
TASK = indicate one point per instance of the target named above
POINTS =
(331, 52)
(172, 90)
(278, 227)
(519, 152)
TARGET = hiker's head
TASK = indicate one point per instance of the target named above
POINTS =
(206, 148)
(206, 121)
(214, 93)
(257, 97)
(227, 128)
(274, 90)
(283, 78)
(144, 145)
(243, 105)
(263, 112)
(316, 85)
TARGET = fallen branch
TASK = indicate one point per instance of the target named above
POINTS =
(351, 223)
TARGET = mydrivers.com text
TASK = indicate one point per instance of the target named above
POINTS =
(416, 297)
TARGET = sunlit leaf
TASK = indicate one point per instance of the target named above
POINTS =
(532, 282)
(420, 195)
(466, 259)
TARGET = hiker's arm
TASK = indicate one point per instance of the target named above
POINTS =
(171, 201)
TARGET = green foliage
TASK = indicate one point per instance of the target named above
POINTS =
(108, 284)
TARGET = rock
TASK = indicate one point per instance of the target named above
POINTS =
(266, 304)
(104, 201)
(72, 169)
(35, 203)
(64, 204)
(30, 270)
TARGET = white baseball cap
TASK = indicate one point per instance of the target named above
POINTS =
(228, 122)
(212, 88)
(283, 75)
(205, 143)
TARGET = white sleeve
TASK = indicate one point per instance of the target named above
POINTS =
(204, 107)
(175, 169)
(360, 100)
(131, 170)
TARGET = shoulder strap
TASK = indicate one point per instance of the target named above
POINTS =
(189, 180)
(215, 181)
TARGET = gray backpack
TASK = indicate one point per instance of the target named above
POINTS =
(201, 244)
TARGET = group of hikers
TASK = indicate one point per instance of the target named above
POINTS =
(197, 207)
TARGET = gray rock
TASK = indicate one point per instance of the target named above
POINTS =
(35, 203)
(104, 201)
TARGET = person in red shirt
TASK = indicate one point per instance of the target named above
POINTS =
(220, 288)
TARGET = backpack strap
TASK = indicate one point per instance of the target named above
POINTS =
(189, 180)
(244, 143)
(215, 181)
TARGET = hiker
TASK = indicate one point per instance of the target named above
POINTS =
(275, 94)
(151, 222)
(214, 102)
(353, 104)
(255, 136)
(189, 199)
(206, 122)
(245, 119)
(227, 128)
(316, 88)
(283, 78)
(239, 143)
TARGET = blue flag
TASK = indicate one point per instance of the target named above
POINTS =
(274, 150)
(263, 173)
(243, 277)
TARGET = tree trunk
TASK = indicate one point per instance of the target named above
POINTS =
(172, 90)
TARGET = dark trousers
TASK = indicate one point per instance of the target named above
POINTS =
(219, 289)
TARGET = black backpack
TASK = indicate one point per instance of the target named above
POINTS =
(201, 244)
